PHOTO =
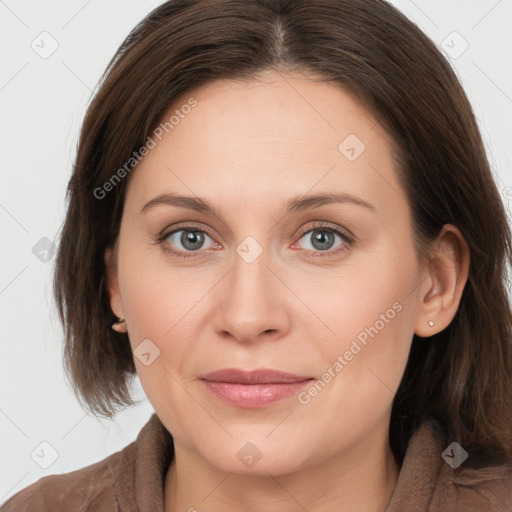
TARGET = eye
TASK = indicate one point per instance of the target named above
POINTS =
(187, 240)
(323, 239)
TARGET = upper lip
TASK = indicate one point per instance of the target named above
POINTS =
(258, 376)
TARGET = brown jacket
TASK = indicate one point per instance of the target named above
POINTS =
(132, 480)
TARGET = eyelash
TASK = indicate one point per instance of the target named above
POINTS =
(321, 226)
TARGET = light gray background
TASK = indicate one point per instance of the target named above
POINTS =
(42, 103)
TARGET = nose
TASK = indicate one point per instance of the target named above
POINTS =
(253, 302)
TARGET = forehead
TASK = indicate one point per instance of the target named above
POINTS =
(278, 135)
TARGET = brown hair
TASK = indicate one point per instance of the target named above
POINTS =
(462, 377)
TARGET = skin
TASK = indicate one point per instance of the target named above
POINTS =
(248, 147)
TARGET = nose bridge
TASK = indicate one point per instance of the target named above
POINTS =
(250, 273)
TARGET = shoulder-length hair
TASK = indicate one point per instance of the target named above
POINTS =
(460, 378)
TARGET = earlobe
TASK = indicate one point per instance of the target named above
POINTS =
(448, 271)
(113, 289)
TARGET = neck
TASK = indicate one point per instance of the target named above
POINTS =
(360, 478)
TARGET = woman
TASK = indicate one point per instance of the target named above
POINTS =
(283, 221)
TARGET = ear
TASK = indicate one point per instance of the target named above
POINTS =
(444, 282)
(112, 282)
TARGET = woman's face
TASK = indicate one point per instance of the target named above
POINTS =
(324, 289)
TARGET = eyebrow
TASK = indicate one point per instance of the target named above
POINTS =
(295, 204)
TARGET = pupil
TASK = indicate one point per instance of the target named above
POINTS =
(192, 239)
(324, 237)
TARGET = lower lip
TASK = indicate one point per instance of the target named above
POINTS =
(253, 396)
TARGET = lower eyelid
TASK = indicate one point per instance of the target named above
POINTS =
(346, 241)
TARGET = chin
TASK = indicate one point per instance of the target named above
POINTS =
(259, 457)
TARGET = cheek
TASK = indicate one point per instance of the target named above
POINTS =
(373, 319)
(160, 303)
(372, 298)
(164, 311)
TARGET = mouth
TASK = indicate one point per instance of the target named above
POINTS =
(253, 389)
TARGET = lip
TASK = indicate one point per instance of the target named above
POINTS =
(258, 376)
(253, 389)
